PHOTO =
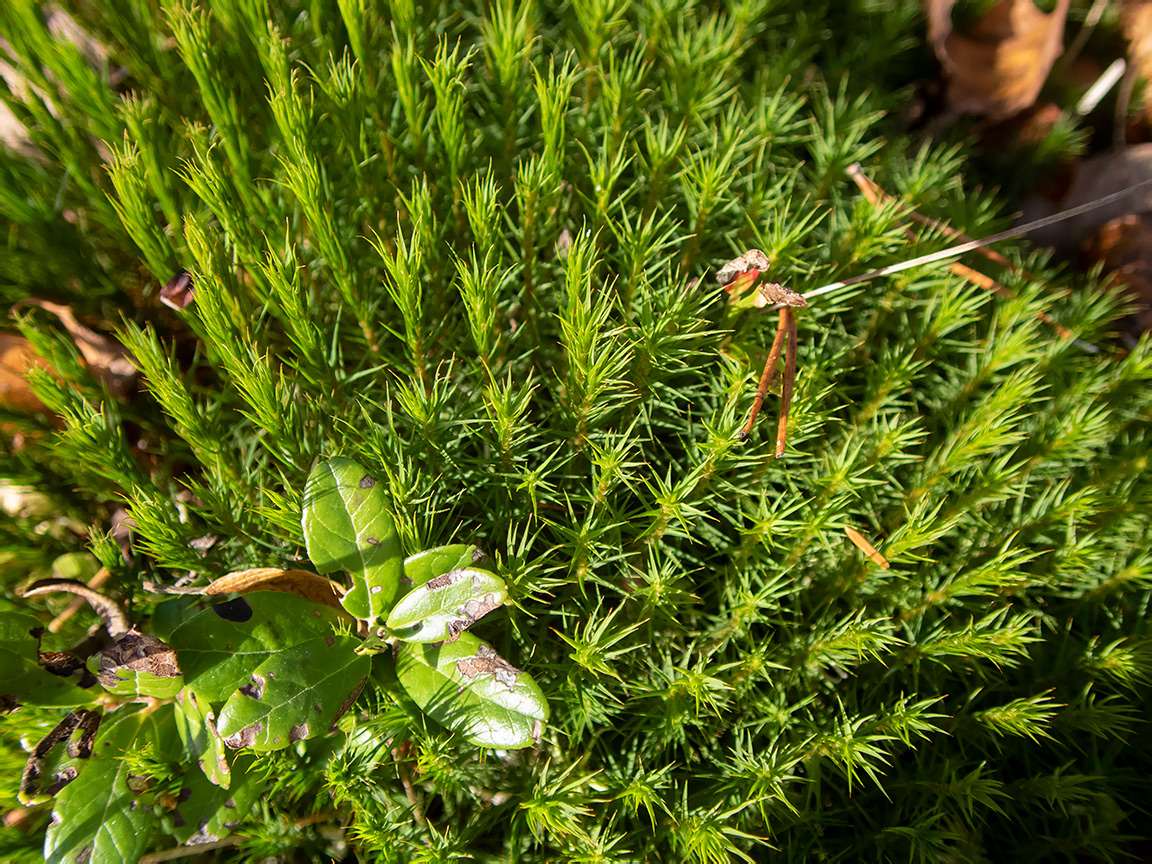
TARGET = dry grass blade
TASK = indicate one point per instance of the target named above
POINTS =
(867, 548)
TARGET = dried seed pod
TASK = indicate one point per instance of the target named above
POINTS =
(774, 292)
(753, 259)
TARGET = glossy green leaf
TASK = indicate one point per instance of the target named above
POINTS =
(437, 561)
(447, 605)
(465, 685)
(219, 648)
(196, 726)
(171, 613)
(138, 664)
(298, 693)
(207, 813)
(16, 630)
(347, 527)
(97, 818)
(23, 678)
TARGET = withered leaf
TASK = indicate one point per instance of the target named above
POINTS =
(997, 70)
(302, 583)
(178, 291)
(107, 359)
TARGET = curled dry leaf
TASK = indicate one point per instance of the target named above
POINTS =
(107, 359)
(108, 610)
(997, 70)
(302, 583)
(753, 259)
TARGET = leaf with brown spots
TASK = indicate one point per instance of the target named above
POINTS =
(43, 776)
(138, 664)
(98, 815)
(465, 685)
(447, 605)
(221, 647)
(347, 527)
(302, 583)
(208, 813)
(196, 725)
(25, 675)
(294, 694)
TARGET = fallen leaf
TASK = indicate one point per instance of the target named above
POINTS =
(1136, 25)
(998, 69)
(1124, 247)
(16, 358)
(107, 359)
(302, 583)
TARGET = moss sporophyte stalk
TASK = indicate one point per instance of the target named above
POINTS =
(370, 387)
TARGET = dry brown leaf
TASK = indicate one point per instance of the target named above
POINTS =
(178, 292)
(107, 359)
(997, 70)
(16, 358)
(1136, 25)
(1124, 247)
(308, 585)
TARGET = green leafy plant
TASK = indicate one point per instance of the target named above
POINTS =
(259, 673)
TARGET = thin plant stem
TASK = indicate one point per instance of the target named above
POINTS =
(789, 321)
(768, 375)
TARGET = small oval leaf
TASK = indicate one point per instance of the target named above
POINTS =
(297, 693)
(465, 685)
(444, 607)
(437, 561)
(347, 527)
